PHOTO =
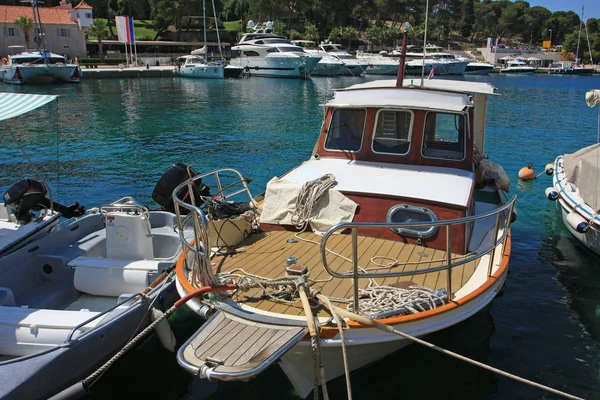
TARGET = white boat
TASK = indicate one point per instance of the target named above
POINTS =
(327, 66)
(72, 299)
(517, 67)
(575, 188)
(196, 65)
(34, 66)
(281, 60)
(31, 66)
(379, 64)
(26, 212)
(478, 68)
(352, 65)
(433, 223)
(193, 66)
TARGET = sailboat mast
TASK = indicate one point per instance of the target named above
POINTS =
(579, 38)
(37, 27)
(204, 23)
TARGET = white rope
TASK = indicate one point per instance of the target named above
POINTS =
(308, 197)
(385, 299)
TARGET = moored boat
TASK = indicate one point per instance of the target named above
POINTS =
(517, 67)
(575, 189)
(411, 212)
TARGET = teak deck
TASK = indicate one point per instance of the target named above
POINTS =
(265, 254)
(234, 345)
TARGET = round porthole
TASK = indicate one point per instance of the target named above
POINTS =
(406, 214)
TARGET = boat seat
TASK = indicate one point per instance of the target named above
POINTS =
(112, 277)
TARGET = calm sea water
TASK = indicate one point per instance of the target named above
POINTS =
(110, 138)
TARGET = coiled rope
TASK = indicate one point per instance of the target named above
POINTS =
(308, 197)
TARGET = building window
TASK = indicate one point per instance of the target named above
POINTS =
(10, 32)
(64, 32)
(88, 15)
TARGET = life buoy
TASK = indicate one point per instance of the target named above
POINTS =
(4, 61)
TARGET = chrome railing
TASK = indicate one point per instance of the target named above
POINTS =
(226, 187)
(502, 215)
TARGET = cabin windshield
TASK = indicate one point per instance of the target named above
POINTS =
(393, 131)
(37, 60)
(346, 129)
(285, 49)
(444, 136)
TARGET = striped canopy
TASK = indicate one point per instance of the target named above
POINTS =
(14, 104)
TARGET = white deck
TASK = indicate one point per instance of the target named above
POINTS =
(442, 185)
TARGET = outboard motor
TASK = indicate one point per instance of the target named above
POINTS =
(173, 177)
(28, 195)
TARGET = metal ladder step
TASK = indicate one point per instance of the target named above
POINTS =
(227, 347)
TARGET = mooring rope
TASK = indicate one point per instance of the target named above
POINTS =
(390, 329)
(383, 299)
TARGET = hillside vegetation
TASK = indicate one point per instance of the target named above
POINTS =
(376, 22)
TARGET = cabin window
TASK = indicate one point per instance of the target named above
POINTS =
(444, 136)
(272, 50)
(251, 53)
(346, 129)
(406, 214)
(392, 132)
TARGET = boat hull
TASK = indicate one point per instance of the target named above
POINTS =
(568, 202)
(327, 69)
(368, 345)
(277, 67)
(200, 72)
(20, 74)
(44, 374)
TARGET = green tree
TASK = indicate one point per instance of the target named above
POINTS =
(467, 18)
(26, 26)
(311, 32)
(515, 19)
(335, 34)
(350, 33)
(98, 29)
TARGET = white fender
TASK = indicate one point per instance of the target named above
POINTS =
(577, 222)
(163, 330)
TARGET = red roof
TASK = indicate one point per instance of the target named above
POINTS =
(48, 15)
(82, 4)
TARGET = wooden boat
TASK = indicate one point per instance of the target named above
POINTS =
(575, 189)
(415, 234)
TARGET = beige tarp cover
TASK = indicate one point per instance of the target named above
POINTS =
(280, 203)
(581, 169)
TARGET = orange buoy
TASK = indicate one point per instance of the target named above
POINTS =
(527, 173)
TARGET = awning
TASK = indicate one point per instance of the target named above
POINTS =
(14, 104)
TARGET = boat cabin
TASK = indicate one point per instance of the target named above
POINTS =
(404, 154)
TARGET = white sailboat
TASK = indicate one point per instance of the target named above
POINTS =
(32, 66)
(196, 65)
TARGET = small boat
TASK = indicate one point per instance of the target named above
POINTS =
(193, 66)
(517, 67)
(27, 210)
(575, 188)
(327, 66)
(273, 59)
(398, 217)
(72, 299)
(379, 64)
(40, 65)
(33, 66)
(352, 65)
(478, 68)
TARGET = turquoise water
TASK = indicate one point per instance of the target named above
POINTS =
(114, 138)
